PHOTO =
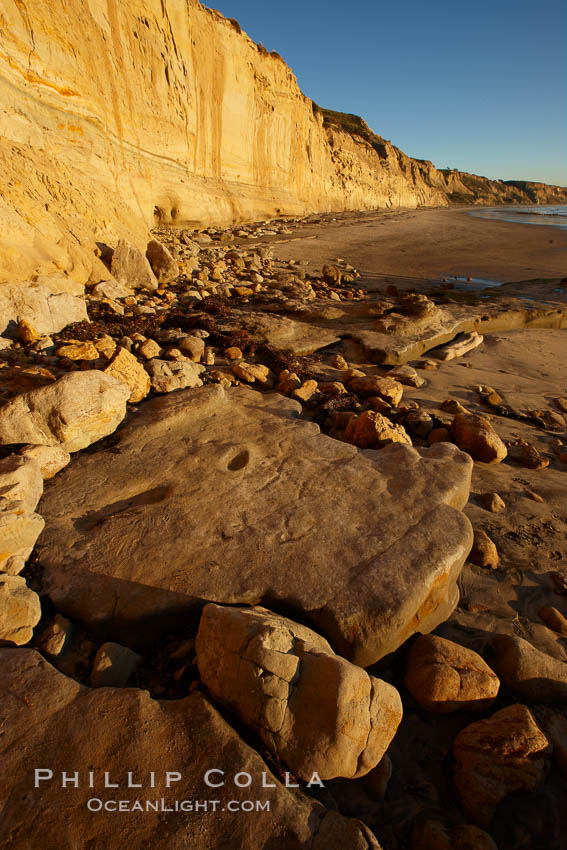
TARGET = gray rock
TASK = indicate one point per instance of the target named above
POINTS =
(226, 496)
(63, 726)
(166, 376)
(131, 267)
(110, 289)
(73, 412)
(48, 304)
(312, 708)
(163, 264)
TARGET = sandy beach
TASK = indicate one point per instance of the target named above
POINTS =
(429, 244)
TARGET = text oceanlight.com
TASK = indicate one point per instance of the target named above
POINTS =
(95, 804)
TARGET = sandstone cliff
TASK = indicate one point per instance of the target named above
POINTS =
(115, 115)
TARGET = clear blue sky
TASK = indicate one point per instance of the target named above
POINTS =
(479, 86)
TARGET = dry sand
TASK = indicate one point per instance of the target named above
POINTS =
(429, 245)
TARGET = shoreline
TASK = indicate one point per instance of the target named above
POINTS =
(428, 245)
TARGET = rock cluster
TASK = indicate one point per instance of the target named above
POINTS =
(243, 468)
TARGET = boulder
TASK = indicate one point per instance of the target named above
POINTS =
(452, 405)
(492, 502)
(386, 388)
(27, 332)
(554, 619)
(406, 375)
(526, 455)
(78, 351)
(419, 422)
(332, 388)
(332, 275)
(554, 724)
(495, 757)
(149, 349)
(75, 411)
(111, 290)
(373, 430)
(201, 502)
(461, 346)
(439, 435)
(444, 677)
(528, 672)
(55, 637)
(51, 459)
(252, 372)
(317, 712)
(193, 347)
(113, 665)
(233, 353)
(48, 305)
(339, 362)
(20, 480)
(165, 377)
(162, 263)
(19, 531)
(131, 268)
(126, 368)
(305, 391)
(20, 610)
(484, 552)
(54, 725)
(475, 435)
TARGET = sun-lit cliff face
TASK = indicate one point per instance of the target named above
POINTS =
(118, 113)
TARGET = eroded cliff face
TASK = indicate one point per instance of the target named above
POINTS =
(117, 113)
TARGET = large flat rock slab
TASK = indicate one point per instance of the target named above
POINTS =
(53, 724)
(299, 337)
(410, 339)
(227, 496)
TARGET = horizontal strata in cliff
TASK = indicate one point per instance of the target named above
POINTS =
(116, 114)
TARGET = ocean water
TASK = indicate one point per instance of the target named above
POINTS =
(551, 216)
